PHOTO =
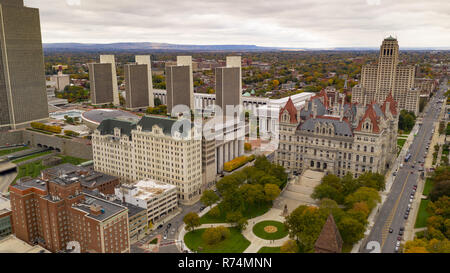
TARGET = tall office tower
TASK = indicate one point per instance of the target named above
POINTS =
(103, 79)
(109, 59)
(23, 97)
(145, 59)
(386, 77)
(229, 84)
(136, 86)
(180, 83)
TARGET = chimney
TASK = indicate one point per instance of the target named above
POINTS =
(388, 107)
(314, 106)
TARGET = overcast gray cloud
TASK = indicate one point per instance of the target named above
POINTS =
(288, 23)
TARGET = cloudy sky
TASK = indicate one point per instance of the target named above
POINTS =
(284, 23)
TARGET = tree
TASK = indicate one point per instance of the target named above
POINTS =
(214, 212)
(214, 235)
(351, 230)
(157, 102)
(368, 195)
(271, 192)
(305, 224)
(191, 220)
(209, 197)
(242, 223)
(290, 246)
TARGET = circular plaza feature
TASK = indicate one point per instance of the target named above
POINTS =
(270, 230)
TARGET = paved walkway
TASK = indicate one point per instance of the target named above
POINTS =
(256, 243)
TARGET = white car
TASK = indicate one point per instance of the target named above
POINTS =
(410, 200)
(397, 244)
(396, 249)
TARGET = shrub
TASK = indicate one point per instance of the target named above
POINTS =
(71, 133)
(44, 127)
(237, 162)
(247, 147)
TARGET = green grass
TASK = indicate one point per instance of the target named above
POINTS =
(31, 156)
(39, 131)
(250, 212)
(268, 249)
(236, 243)
(259, 231)
(154, 241)
(428, 186)
(423, 215)
(400, 143)
(34, 169)
(13, 150)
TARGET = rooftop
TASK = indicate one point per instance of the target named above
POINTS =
(107, 208)
(12, 244)
(147, 189)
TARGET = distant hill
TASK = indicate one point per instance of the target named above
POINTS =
(151, 47)
(148, 46)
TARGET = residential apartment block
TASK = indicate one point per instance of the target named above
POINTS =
(386, 77)
(338, 137)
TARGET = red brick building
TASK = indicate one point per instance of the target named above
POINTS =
(55, 213)
(90, 179)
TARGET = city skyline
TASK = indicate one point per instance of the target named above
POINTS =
(299, 24)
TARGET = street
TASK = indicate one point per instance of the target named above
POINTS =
(168, 245)
(392, 214)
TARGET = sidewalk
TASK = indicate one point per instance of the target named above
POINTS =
(256, 243)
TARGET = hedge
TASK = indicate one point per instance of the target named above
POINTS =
(71, 133)
(44, 127)
(237, 162)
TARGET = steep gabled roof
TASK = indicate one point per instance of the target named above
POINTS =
(392, 105)
(290, 107)
(330, 240)
(372, 115)
(341, 128)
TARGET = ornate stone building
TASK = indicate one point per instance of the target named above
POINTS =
(337, 137)
(388, 76)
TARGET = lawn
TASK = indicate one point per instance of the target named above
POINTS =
(236, 243)
(34, 169)
(32, 156)
(12, 150)
(268, 249)
(428, 186)
(250, 212)
(423, 215)
(259, 231)
(401, 142)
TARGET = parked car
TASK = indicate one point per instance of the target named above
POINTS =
(391, 230)
(160, 226)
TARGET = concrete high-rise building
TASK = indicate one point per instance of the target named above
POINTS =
(229, 84)
(145, 59)
(386, 77)
(180, 83)
(103, 80)
(23, 97)
(136, 86)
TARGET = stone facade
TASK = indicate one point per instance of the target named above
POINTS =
(147, 150)
(338, 137)
(386, 77)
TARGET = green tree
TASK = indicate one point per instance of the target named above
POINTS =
(209, 197)
(191, 220)
(290, 246)
(271, 192)
(351, 230)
